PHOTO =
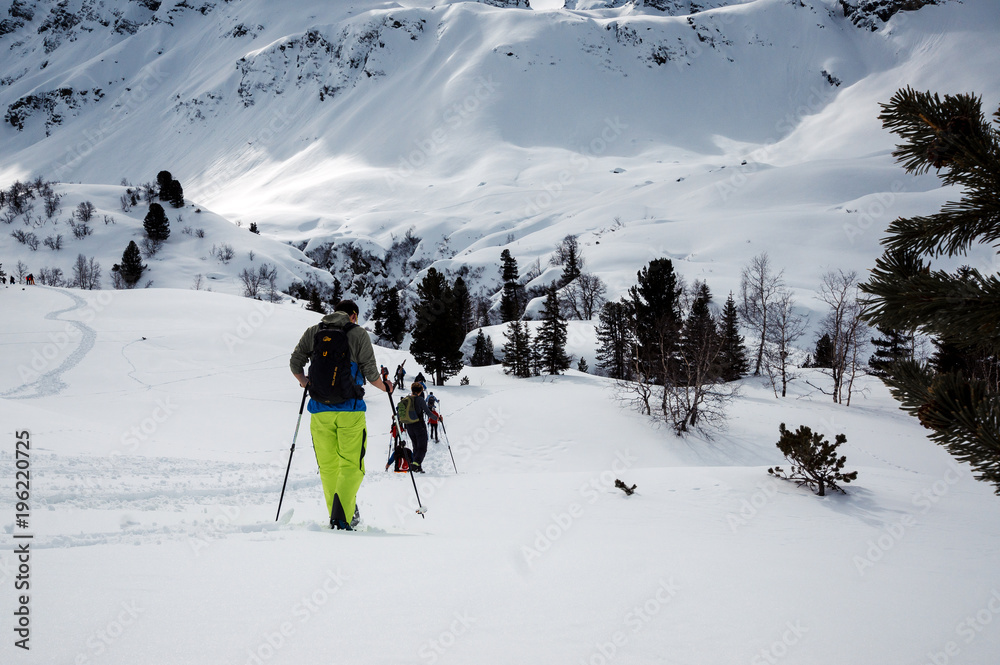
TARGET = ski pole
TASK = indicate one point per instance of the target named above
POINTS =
(445, 430)
(305, 391)
(421, 510)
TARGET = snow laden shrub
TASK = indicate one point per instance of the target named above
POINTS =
(814, 460)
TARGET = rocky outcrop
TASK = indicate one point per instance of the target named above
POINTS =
(873, 14)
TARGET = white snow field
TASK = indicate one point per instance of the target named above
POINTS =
(155, 425)
(160, 423)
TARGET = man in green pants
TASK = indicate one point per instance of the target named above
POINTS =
(338, 423)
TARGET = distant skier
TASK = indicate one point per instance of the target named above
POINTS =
(30, 279)
(400, 454)
(433, 421)
(400, 373)
(432, 401)
(421, 380)
(417, 431)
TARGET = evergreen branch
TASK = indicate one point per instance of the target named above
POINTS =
(962, 414)
(907, 295)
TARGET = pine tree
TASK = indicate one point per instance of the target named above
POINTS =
(572, 260)
(176, 196)
(389, 323)
(582, 365)
(733, 362)
(517, 354)
(962, 411)
(437, 335)
(131, 267)
(550, 341)
(657, 312)
(156, 224)
(890, 347)
(463, 305)
(315, 303)
(700, 342)
(616, 340)
(825, 355)
(510, 299)
(163, 182)
(482, 353)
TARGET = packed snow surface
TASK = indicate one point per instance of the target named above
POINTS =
(160, 424)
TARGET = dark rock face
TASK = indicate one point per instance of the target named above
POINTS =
(873, 14)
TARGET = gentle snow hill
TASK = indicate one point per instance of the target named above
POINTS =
(192, 257)
(161, 422)
(707, 133)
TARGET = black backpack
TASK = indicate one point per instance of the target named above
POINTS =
(330, 379)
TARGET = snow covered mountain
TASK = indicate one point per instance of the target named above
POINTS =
(706, 132)
(155, 425)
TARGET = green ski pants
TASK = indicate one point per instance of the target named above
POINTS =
(339, 439)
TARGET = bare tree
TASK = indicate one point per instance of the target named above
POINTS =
(784, 328)
(758, 288)
(86, 274)
(584, 296)
(85, 211)
(848, 334)
(262, 279)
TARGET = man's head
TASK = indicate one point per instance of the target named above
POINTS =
(416, 388)
(349, 307)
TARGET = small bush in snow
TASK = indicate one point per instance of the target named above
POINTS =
(814, 460)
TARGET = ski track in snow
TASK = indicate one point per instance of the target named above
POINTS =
(51, 382)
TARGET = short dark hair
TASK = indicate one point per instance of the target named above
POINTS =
(347, 306)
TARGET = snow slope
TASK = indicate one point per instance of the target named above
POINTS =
(706, 137)
(160, 425)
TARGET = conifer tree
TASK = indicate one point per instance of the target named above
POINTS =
(733, 362)
(582, 365)
(890, 346)
(131, 267)
(510, 299)
(163, 182)
(437, 335)
(616, 340)
(156, 224)
(176, 196)
(463, 305)
(517, 354)
(550, 341)
(657, 315)
(572, 260)
(825, 354)
(700, 341)
(389, 323)
(482, 353)
(962, 411)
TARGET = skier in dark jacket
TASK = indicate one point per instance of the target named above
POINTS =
(418, 431)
